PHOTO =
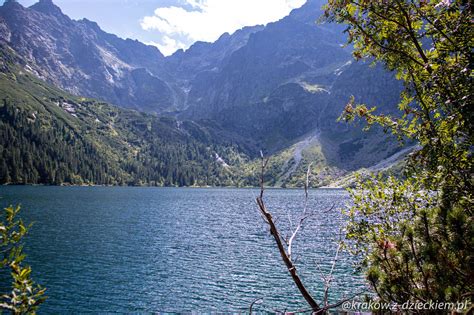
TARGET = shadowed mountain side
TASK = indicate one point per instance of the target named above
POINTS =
(270, 88)
(82, 59)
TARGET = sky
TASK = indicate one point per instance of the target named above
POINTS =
(175, 24)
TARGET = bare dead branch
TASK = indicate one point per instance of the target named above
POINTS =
(252, 304)
(303, 216)
(337, 304)
(262, 175)
(332, 306)
(286, 253)
(290, 221)
(329, 278)
(330, 209)
(279, 242)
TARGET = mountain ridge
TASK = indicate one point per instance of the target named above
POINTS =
(81, 58)
(273, 87)
(48, 136)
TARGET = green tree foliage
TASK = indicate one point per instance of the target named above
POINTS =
(50, 137)
(25, 296)
(415, 236)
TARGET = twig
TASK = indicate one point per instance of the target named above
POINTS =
(264, 165)
(329, 278)
(303, 216)
(330, 209)
(252, 304)
(325, 309)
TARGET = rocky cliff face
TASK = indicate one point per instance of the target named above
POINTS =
(275, 85)
(79, 57)
(286, 82)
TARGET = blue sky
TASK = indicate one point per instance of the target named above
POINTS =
(174, 24)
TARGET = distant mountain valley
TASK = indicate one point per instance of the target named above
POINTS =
(81, 106)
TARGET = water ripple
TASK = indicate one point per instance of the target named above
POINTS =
(128, 249)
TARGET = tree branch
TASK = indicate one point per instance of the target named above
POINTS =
(372, 39)
(278, 240)
(329, 278)
(304, 216)
(252, 304)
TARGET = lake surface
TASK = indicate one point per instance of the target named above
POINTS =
(126, 249)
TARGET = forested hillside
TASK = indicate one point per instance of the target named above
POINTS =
(50, 137)
(209, 110)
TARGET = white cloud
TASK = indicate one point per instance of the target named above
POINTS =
(168, 45)
(211, 18)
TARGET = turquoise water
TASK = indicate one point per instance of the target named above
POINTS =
(126, 249)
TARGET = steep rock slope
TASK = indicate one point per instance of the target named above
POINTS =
(48, 136)
(79, 57)
(288, 81)
(279, 87)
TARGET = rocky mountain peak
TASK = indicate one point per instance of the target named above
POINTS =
(273, 85)
(89, 23)
(12, 4)
(48, 7)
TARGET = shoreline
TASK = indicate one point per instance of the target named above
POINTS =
(151, 186)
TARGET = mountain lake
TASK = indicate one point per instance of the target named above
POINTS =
(133, 249)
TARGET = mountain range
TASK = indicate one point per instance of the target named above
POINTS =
(278, 88)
